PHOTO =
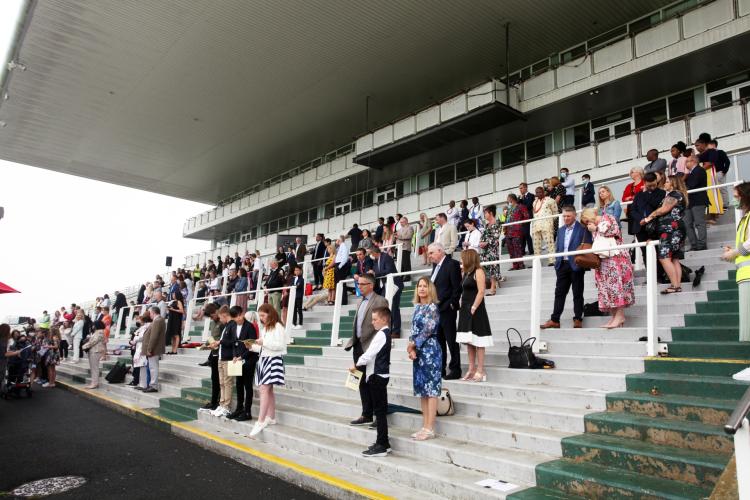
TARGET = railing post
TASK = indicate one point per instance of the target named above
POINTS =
(306, 269)
(742, 458)
(189, 317)
(206, 328)
(259, 288)
(223, 285)
(536, 301)
(336, 315)
(651, 294)
(119, 323)
(233, 299)
(390, 290)
(290, 311)
(398, 257)
(128, 319)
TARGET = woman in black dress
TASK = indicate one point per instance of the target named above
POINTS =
(174, 322)
(473, 323)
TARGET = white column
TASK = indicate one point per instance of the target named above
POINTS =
(337, 314)
(652, 347)
(290, 310)
(536, 302)
(742, 457)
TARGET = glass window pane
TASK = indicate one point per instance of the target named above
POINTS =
(282, 224)
(727, 82)
(303, 217)
(445, 175)
(423, 181)
(367, 198)
(681, 104)
(486, 164)
(313, 215)
(651, 114)
(328, 210)
(537, 148)
(601, 135)
(622, 129)
(513, 155)
(466, 169)
(614, 117)
(722, 100)
(573, 53)
(254, 232)
(745, 92)
(578, 136)
(292, 221)
(273, 226)
(264, 229)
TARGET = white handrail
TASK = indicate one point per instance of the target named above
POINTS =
(742, 457)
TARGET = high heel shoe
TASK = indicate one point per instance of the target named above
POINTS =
(479, 377)
(468, 376)
(616, 325)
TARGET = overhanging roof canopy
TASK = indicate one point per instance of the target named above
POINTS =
(199, 99)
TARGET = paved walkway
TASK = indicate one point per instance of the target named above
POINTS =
(59, 433)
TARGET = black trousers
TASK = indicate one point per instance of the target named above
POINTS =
(406, 263)
(396, 312)
(297, 315)
(318, 273)
(379, 396)
(213, 362)
(64, 349)
(342, 274)
(136, 375)
(567, 279)
(364, 389)
(245, 384)
(447, 338)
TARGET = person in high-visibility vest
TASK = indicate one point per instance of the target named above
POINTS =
(741, 257)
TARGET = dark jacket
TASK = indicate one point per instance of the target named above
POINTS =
(247, 332)
(587, 194)
(301, 251)
(448, 284)
(580, 235)
(644, 203)
(694, 180)
(300, 286)
(227, 341)
(275, 279)
(319, 250)
(383, 267)
(363, 266)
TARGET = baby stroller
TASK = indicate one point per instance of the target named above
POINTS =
(19, 376)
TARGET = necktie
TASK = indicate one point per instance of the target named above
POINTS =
(435, 273)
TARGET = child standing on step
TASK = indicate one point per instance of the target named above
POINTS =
(377, 360)
(299, 284)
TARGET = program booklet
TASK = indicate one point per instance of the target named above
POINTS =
(352, 380)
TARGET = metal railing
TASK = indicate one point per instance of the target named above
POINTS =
(739, 426)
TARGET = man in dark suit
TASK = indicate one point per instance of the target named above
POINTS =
(588, 198)
(643, 204)
(275, 280)
(527, 200)
(243, 330)
(695, 213)
(382, 266)
(318, 253)
(362, 335)
(363, 263)
(446, 275)
(569, 237)
(300, 250)
(379, 230)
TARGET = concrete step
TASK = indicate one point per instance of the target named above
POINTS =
(673, 406)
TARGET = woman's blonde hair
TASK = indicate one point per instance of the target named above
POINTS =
(470, 261)
(678, 184)
(609, 200)
(554, 181)
(640, 171)
(588, 215)
(431, 291)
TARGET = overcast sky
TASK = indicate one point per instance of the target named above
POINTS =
(68, 239)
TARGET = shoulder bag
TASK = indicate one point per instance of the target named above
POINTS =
(445, 405)
(520, 356)
(603, 245)
(587, 260)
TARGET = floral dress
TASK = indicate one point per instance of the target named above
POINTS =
(429, 362)
(614, 278)
(491, 236)
(671, 229)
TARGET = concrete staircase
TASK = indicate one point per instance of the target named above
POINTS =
(517, 424)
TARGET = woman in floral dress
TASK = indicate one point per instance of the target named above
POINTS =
(424, 350)
(514, 234)
(614, 278)
(490, 245)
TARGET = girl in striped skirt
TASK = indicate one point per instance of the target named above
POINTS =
(270, 370)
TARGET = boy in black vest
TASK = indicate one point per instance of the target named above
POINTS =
(377, 360)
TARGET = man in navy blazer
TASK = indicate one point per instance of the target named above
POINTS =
(570, 235)
(446, 275)
(382, 266)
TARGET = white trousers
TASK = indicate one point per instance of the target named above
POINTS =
(76, 343)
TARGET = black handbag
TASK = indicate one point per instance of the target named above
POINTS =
(520, 356)
(117, 374)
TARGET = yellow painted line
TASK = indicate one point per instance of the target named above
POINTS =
(701, 360)
(307, 471)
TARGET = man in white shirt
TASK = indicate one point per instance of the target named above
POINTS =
(343, 266)
(453, 214)
(569, 183)
(447, 234)
(476, 212)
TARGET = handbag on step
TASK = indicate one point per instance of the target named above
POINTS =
(520, 356)
(587, 260)
(445, 404)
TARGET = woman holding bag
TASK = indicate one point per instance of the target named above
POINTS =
(614, 277)
(270, 370)
(473, 323)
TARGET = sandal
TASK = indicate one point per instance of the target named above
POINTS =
(414, 436)
(424, 435)
(468, 376)
(671, 290)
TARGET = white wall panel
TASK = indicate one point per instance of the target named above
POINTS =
(244, 202)
(388, 209)
(273, 191)
(455, 192)
(538, 170)
(336, 223)
(324, 170)
(428, 118)
(408, 204)
(254, 199)
(657, 37)
(235, 206)
(429, 199)
(321, 226)
(285, 186)
(241, 247)
(718, 123)
(369, 215)
(573, 71)
(577, 159)
(232, 248)
(539, 84)
(703, 19)
(510, 178)
(662, 138)
(481, 95)
(310, 176)
(298, 181)
(479, 186)
(744, 7)
(364, 144)
(382, 136)
(613, 55)
(352, 218)
(404, 128)
(617, 150)
(453, 107)
(338, 165)
(309, 230)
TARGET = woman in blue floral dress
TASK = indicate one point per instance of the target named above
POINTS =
(424, 350)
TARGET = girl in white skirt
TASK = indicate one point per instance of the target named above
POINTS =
(270, 371)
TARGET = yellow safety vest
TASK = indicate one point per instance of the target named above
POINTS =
(742, 261)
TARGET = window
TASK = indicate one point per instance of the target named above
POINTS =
(328, 210)
(540, 67)
(404, 187)
(486, 164)
(357, 201)
(681, 104)
(651, 114)
(724, 83)
(720, 100)
(513, 155)
(572, 54)
(445, 176)
(609, 119)
(254, 232)
(466, 169)
(273, 226)
(292, 221)
(282, 224)
(644, 23)
(745, 92)
(264, 229)
(303, 217)
(367, 198)
(538, 148)
(578, 136)
(426, 181)
(313, 215)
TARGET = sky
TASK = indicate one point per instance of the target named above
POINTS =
(68, 239)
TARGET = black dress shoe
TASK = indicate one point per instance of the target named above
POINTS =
(205, 363)
(208, 406)
(453, 376)
(133, 383)
(234, 414)
(243, 417)
(150, 389)
(361, 421)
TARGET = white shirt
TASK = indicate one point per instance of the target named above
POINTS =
(437, 269)
(570, 185)
(453, 216)
(368, 358)
(342, 255)
(473, 239)
(475, 212)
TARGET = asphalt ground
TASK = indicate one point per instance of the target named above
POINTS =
(60, 433)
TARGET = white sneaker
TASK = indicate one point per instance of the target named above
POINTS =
(297, 327)
(45, 385)
(270, 421)
(258, 427)
(220, 411)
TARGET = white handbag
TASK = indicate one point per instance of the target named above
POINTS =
(602, 246)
